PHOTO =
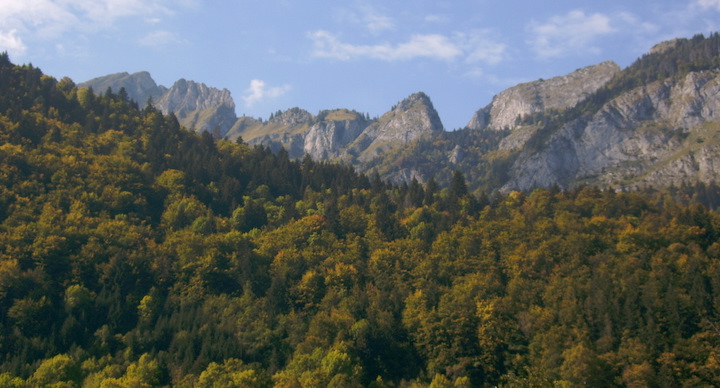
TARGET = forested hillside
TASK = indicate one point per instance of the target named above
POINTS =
(135, 253)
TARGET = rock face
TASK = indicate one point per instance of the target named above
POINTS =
(509, 106)
(196, 105)
(412, 119)
(286, 130)
(328, 138)
(139, 86)
(658, 134)
(342, 134)
(187, 96)
(200, 107)
(293, 118)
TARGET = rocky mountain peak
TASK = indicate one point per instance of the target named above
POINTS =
(195, 104)
(332, 132)
(415, 100)
(185, 96)
(561, 92)
(340, 115)
(411, 119)
(664, 46)
(139, 86)
(415, 113)
(293, 117)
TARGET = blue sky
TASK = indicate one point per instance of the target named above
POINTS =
(360, 54)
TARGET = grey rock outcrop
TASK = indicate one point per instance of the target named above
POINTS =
(412, 119)
(196, 105)
(658, 134)
(511, 105)
(199, 107)
(286, 130)
(456, 155)
(293, 118)
(328, 138)
(342, 134)
(139, 86)
(187, 96)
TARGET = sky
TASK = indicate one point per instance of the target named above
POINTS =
(365, 55)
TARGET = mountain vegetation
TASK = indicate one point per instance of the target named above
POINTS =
(653, 123)
(137, 253)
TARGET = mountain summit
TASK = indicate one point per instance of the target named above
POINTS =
(196, 105)
(656, 122)
(343, 134)
(509, 107)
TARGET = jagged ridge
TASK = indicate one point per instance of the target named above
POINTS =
(196, 105)
(652, 123)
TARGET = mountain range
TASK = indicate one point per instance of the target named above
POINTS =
(654, 123)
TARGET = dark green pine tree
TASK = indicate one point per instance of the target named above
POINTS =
(458, 187)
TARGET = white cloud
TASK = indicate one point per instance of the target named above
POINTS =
(366, 16)
(377, 22)
(11, 43)
(433, 46)
(437, 18)
(42, 17)
(259, 91)
(630, 22)
(705, 4)
(103, 12)
(473, 47)
(573, 32)
(481, 46)
(160, 38)
(50, 19)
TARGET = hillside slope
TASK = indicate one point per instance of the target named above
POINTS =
(137, 253)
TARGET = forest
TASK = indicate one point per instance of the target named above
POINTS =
(136, 253)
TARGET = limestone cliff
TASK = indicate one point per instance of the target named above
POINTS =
(286, 130)
(342, 134)
(328, 138)
(196, 105)
(656, 123)
(187, 96)
(658, 134)
(511, 105)
(412, 119)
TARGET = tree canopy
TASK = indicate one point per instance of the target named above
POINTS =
(135, 253)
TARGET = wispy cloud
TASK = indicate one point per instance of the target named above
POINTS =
(160, 38)
(50, 19)
(375, 21)
(437, 18)
(10, 42)
(260, 91)
(104, 12)
(474, 47)
(482, 47)
(434, 46)
(570, 33)
(698, 16)
(705, 4)
(369, 17)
